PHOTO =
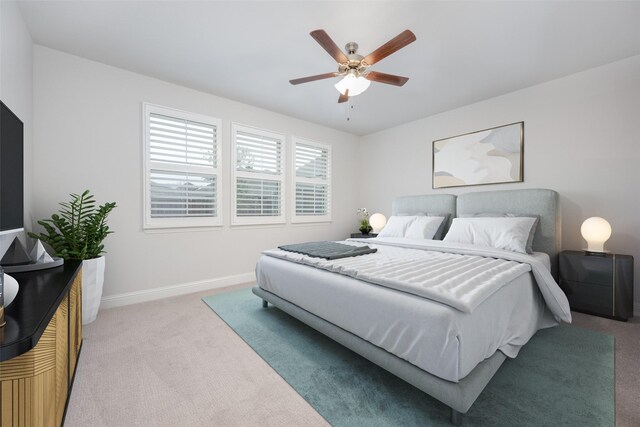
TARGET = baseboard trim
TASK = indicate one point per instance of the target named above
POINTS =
(174, 290)
(202, 285)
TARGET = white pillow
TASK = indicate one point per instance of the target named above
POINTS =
(424, 227)
(510, 234)
(440, 232)
(510, 215)
(396, 226)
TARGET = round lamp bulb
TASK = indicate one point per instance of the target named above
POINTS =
(377, 221)
(595, 231)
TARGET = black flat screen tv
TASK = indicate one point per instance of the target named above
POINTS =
(11, 171)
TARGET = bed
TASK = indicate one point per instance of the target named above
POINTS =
(455, 357)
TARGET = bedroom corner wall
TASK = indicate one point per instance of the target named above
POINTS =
(16, 91)
(87, 134)
(581, 139)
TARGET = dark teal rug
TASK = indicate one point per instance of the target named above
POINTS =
(563, 377)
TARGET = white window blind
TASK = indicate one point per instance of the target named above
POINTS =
(258, 176)
(312, 181)
(180, 195)
(182, 155)
(311, 199)
(183, 142)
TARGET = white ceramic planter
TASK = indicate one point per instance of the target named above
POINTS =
(92, 281)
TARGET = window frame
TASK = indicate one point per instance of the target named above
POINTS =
(150, 223)
(235, 174)
(296, 179)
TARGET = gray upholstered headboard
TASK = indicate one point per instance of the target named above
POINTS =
(537, 201)
(541, 202)
(426, 203)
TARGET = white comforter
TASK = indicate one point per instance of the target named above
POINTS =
(461, 276)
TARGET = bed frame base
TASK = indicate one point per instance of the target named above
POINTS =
(458, 396)
(456, 418)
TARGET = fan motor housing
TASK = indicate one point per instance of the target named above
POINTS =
(355, 60)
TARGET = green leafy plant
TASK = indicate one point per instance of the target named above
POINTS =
(365, 227)
(78, 229)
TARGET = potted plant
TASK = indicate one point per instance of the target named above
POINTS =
(365, 228)
(77, 231)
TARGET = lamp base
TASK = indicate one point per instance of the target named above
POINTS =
(595, 253)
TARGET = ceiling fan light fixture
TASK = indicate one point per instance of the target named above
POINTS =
(353, 66)
(356, 85)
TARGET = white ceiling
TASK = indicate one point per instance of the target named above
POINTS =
(247, 51)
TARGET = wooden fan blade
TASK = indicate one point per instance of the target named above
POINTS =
(329, 45)
(343, 98)
(312, 78)
(389, 79)
(393, 45)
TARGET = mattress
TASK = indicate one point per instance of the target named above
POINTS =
(435, 337)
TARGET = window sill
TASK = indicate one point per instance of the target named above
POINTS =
(308, 220)
(180, 229)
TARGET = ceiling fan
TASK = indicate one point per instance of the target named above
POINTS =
(354, 67)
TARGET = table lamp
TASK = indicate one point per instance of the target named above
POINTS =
(595, 231)
(377, 221)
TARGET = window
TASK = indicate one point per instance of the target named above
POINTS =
(312, 181)
(182, 163)
(258, 176)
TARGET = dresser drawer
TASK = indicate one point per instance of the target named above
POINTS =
(588, 297)
(587, 269)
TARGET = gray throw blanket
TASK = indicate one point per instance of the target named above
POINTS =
(328, 250)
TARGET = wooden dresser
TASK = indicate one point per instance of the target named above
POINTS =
(40, 345)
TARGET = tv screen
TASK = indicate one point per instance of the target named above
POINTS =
(11, 170)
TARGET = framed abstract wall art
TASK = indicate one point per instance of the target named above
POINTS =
(490, 156)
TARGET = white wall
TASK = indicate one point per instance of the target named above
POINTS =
(16, 89)
(87, 134)
(582, 139)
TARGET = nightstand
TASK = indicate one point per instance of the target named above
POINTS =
(598, 284)
(363, 236)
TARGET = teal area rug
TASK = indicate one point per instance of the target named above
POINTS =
(563, 377)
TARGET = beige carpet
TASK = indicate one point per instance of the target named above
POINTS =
(173, 362)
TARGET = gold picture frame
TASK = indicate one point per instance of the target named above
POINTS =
(483, 157)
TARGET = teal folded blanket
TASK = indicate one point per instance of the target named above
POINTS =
(328, 250)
